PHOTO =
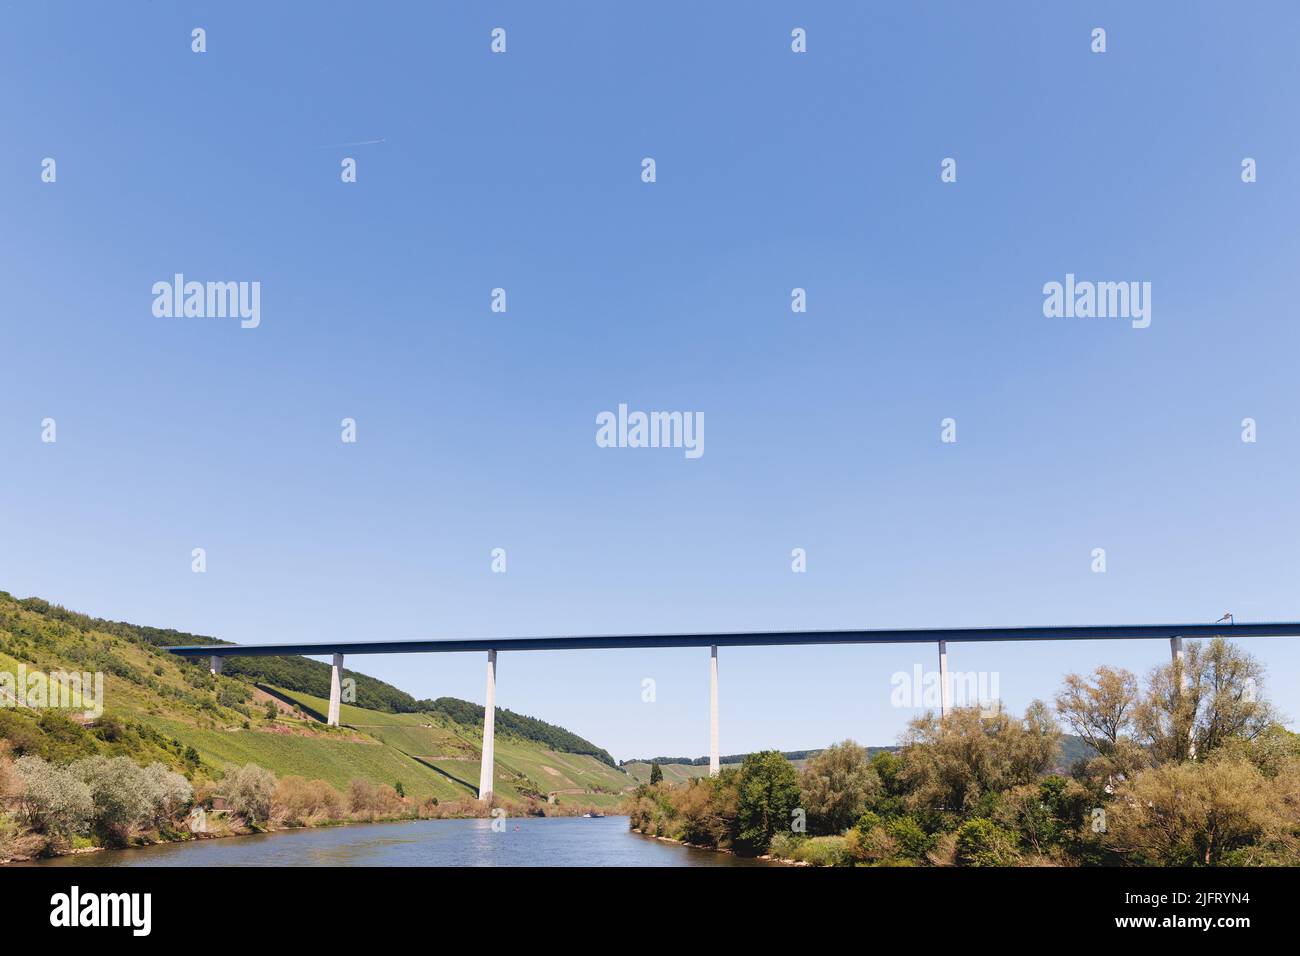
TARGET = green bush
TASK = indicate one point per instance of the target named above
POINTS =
(232, 694)
(982, 842)
(912, 841)
(249, 791)
(51, 799)
(815, 851)
(836, 786)
(824, 851)
(769, 792)
(785, 846)
(128, 797)
(868, 821)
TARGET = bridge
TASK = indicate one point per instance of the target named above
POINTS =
(942, 637)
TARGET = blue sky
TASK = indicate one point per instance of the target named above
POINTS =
(476, 430)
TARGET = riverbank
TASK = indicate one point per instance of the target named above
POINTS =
(764, 858)
(221, 827)
(521, 841)
(224, 833)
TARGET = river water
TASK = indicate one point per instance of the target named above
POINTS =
(527, 841)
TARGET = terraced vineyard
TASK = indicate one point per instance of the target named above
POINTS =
(673, 772)
(451, 752)
(159, 707)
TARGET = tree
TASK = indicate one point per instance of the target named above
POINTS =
(1273, 752)
(769, 793)
(123, 795)
(1215, 697)
(981, 842)
(299, 801)
(870, 843)
(1233, 706)
(951, 763)
(363, 797)
(692, 807)
(1182, 814)
(836, 785)
(642, 811)
(1047, 814)
(892, 799)
(366, 800)
(168, 792)
(51, 799)
(910, 840)
(656, 773)
(1100, 708)
(249, 791)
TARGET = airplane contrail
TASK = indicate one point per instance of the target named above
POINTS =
(364, 142)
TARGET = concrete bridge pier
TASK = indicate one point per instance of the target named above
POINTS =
(214, 664)
(336, 690)
(714, 763)
(945, 686)
(1180, 672)
(489, 731)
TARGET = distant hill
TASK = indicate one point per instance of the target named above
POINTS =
(508, 722)
(679, 769)
(794, 756)
(1073, 750)
(266, 711)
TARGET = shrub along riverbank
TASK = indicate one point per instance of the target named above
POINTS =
(1191, 768)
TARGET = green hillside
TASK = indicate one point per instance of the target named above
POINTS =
(673, 772)
(160, 707)
(450, 751)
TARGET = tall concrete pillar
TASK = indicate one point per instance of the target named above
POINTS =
(1176, 652)
(715, 764)
(489, 731)
(336, 690)
(1180, 669)
(945, 687)
(214, 664)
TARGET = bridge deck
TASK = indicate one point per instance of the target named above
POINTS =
(1120, 632)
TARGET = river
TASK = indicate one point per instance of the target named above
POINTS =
(526, 841)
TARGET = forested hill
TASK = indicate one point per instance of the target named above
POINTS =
(306, 676)
(529, 728)
(794, 756)
(1073, 750)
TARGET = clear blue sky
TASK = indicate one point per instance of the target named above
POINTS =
(476, 430)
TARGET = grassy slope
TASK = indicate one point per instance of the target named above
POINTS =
(673, 772)
(522, 766)
(429, 755)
